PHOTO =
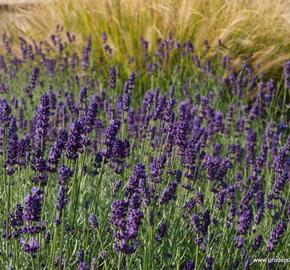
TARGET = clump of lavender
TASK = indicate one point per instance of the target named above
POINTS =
(239, 241)
(181, 136)
(127, 214)
(134, 154)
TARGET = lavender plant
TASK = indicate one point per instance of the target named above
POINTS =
(172, 167)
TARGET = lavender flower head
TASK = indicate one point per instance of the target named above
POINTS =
(112, 131)
(58, 147)
(74, 144)
(12, 148)
(5, 112)
(157, 168)
(31, 247)
(129, 85)
(161, 231)
(41, 124)
(32, 205)
(113, 78)
(93, 221)
(169, 193)
(189, 265)
(275, 235)
(287, 74)
(137, 180)
(83, 94)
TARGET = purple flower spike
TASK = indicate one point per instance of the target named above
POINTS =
(137, 180)
(275, 236)
(12, 148)
(157, 168)
(93, 221)
(83, 266)
(33, 81)
(5, 112)
(58, 147)
(74, 145)
(239, 241)
(86, 53)
(83, 94)
(16, 217)
(61, 198)
(189, 265)
(30, 247)
(257, 242)
(129, 85)
(169, 193)
(113, 78)
(287, 74)
(33, 203)
(112, 131)
(245, 219)
(90, 117)
(161, 231)
(64, 174)
(41, 124)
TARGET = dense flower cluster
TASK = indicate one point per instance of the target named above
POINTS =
(166, 167)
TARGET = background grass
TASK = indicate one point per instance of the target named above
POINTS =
(258, 29)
